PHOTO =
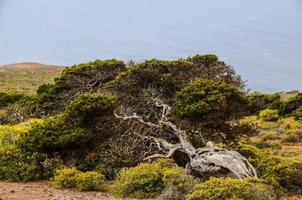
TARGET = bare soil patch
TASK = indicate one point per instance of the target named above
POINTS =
(45, 191)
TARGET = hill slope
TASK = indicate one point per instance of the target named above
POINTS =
(26, 77)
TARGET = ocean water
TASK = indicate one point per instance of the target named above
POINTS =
(261, 39)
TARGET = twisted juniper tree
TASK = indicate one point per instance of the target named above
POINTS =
(102, 113)
(210, 105)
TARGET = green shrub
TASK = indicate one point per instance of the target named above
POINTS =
(297, 114)
(258, 102)
(261, 159)
(65, 178)
(149, 180)
(9, 134)
(207, 105)
(6, 99)
(292, 136)
(88, 106)
(50, 165)
(164, 163)
(143, 181)
(51, 135)
(177, 183)
(90, 181)
(289, 174)
(77, 80)
(286, 170)
(16, 165)
(73, 178)
(24, 109)
(293, 103)
(269, 115)
(223, 189)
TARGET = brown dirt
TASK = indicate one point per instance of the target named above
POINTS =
(292, 197)
(45, 191)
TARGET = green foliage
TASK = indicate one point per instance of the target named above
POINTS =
(269, 115)
(50, 165)
(149, 180)
(263, 160)
(88, 106)
(204, 59)
(208, 107)
(289, 174)
(286, 171)
(297, 114)
(73, 178)
(207, 101)
(6, 99)
(22, 110)
(51, 135)
(65, 178)
(258, 102)
(16, 165)
(77, 80)
(91, 181)
(9, 134)
(177, 183)
(143, 181)
(293, 103)
(233, 189)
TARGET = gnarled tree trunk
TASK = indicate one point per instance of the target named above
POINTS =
(202, 162)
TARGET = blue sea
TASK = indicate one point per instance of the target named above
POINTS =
(261, 39)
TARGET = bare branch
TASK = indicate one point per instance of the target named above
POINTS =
(137, 118)
(207, 160)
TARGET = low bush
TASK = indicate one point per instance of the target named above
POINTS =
(16, 165)
(50, 165)
(9, 134)
(258, 101)
(269, 115)
(227, 188)
(289, 174)
(177, 183)
(51, 135)
(73, 178)
(290, 106)
(297, 114)
(6, 99)
(291, 123)
(90, 181)
(150, 180)
(286, 170)
(143, 181)
(261, 159)
(292, 136)
(65, 178)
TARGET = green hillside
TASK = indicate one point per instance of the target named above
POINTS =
(26, 77)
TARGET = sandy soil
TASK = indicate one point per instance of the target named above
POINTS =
(44, 191)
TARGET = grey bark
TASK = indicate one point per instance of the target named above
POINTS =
(204, 162)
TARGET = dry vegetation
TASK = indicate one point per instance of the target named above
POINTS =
(26, 77)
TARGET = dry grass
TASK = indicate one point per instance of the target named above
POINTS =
(26, 77)
(30, 67)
